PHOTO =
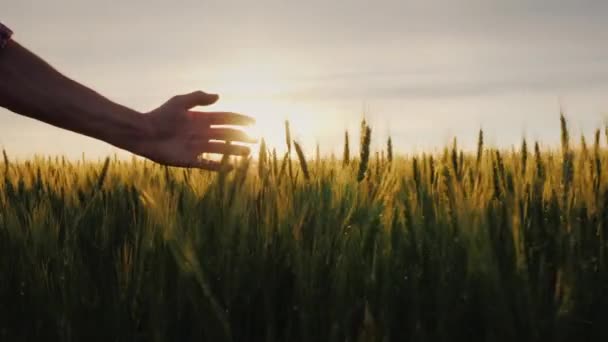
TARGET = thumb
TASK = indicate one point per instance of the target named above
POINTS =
(197, 98)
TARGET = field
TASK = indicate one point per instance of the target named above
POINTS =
(497, 245)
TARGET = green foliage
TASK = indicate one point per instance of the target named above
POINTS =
(449, 247)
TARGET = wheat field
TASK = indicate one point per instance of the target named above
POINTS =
(495, 245)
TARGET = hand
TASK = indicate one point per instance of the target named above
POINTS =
(178, 136)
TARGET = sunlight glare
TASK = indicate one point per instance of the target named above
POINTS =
(261, 92)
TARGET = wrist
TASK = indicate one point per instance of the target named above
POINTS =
(135, 134)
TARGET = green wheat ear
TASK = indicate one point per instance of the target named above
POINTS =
(565, 135)
(524, 156)
(103, 174)
(597, 164)
(275, 163)
(6, 162)
(288, 136)
(288, 142)
(346, 155)
(416, 173)
(262, 159)
(389, 149)
(283, 166)
(567, 159)
(538, 159)
(302, 159)
(479, 147)
(365, 146)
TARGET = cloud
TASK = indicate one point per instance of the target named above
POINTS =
(358, 86)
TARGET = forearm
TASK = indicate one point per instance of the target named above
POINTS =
(31, 87)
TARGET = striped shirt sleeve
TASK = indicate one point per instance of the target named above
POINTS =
(5, 35)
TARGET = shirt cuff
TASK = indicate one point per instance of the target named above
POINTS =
(5, 35)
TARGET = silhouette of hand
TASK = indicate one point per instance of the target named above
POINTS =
(178, 136)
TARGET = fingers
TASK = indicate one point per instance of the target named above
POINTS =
(230, 134)
(222, 148)
(224, 118)
(197, 98)
(218, 148)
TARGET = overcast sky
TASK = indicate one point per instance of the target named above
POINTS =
(424, 70)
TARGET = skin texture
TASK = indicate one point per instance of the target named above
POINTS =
(173, 134)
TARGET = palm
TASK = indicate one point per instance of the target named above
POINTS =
(180, 135)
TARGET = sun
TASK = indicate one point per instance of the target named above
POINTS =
(263, 93)
(270, 116)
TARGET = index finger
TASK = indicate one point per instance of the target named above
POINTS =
(224, 118)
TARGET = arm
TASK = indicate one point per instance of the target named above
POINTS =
(31, 87)
(172, 134)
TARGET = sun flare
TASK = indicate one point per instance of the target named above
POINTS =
(263, 94)
(269, 93)
(270, 119)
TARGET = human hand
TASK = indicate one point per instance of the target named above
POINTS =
(177, 136)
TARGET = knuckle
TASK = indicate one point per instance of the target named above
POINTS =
(176, 99)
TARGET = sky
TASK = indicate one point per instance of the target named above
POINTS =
(420, 71)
